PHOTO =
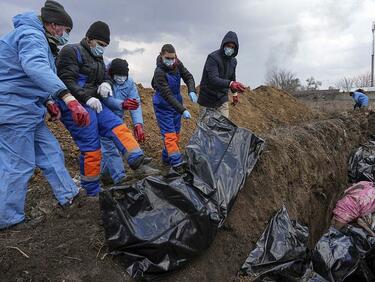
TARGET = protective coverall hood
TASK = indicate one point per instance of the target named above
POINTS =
(27, 71)
(28, 19)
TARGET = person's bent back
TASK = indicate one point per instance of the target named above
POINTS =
(27, 81)
(360, 98)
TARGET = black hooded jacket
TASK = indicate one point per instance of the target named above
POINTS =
(160, 82)
(69, 69)
(219, 70)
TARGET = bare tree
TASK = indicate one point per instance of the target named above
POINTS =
(346, 83)
(312, 84)
(283, 79)
(363, 80)
(359, 81)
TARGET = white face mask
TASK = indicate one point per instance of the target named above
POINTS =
(98, 50)
(120, 79)
(63, 39)
(229, 51)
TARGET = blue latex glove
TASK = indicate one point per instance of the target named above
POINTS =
(186, 114)
(193, 97)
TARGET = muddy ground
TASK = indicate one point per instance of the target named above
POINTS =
(303, 166)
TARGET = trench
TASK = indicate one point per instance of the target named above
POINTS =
(303, 167)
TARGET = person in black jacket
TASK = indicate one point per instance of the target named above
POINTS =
(219, 75)
(168, 104)
(82, 69)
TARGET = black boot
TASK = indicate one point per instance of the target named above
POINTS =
(179, 169)
(142, 168)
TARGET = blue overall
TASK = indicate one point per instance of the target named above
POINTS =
(112, 162)
(169, 121)
(27, 79)
(360, 99)
(103, 124)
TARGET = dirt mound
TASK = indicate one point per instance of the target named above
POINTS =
(304, 165)
(266, 107)
(259, 110)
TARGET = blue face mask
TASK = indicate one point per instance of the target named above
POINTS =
(119, 79)
(228, 51)
(98, 50)
(169, 62)
(63, 39)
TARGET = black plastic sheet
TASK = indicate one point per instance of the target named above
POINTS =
(281, 254)
(159, 224)
(281, 251)
(344, 255)
(362, 163)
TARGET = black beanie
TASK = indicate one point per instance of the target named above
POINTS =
(54, 12)
(99, 30)
(119, 67)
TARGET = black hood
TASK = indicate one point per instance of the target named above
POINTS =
(231, 36)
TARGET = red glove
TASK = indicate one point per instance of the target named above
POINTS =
(235, 100)
(53, 111)
(130, 104)
(80, 116)
(237, 86)
(139, 134)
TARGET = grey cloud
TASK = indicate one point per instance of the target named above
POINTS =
(267, 29)
(285, 50)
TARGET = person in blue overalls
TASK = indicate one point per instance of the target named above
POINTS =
(168, 104)
(360, 98)
(81, 67)
(119, 94)
(28, 81)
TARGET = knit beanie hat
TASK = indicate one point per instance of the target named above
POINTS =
(99, 30)
(119, 67)
(54, 12)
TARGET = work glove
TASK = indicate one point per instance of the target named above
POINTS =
(186, 114)
(80, 116)
(53, 110)
(235, 99)
(193, 97)
(130, 104)
(356, 106)
(105, 90)
(95, 104)
(139, 134)
(237, 86)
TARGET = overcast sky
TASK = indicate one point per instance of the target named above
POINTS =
(326, 39)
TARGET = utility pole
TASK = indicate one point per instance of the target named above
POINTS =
(372, 54)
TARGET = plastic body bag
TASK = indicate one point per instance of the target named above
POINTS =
(280, 252)
(362, 164)
(347, 255)
(159, 224)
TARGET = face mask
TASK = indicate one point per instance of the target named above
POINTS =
(169, 62)
(63, 39)
(120, 79)
(98, 50)
(228, 51)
